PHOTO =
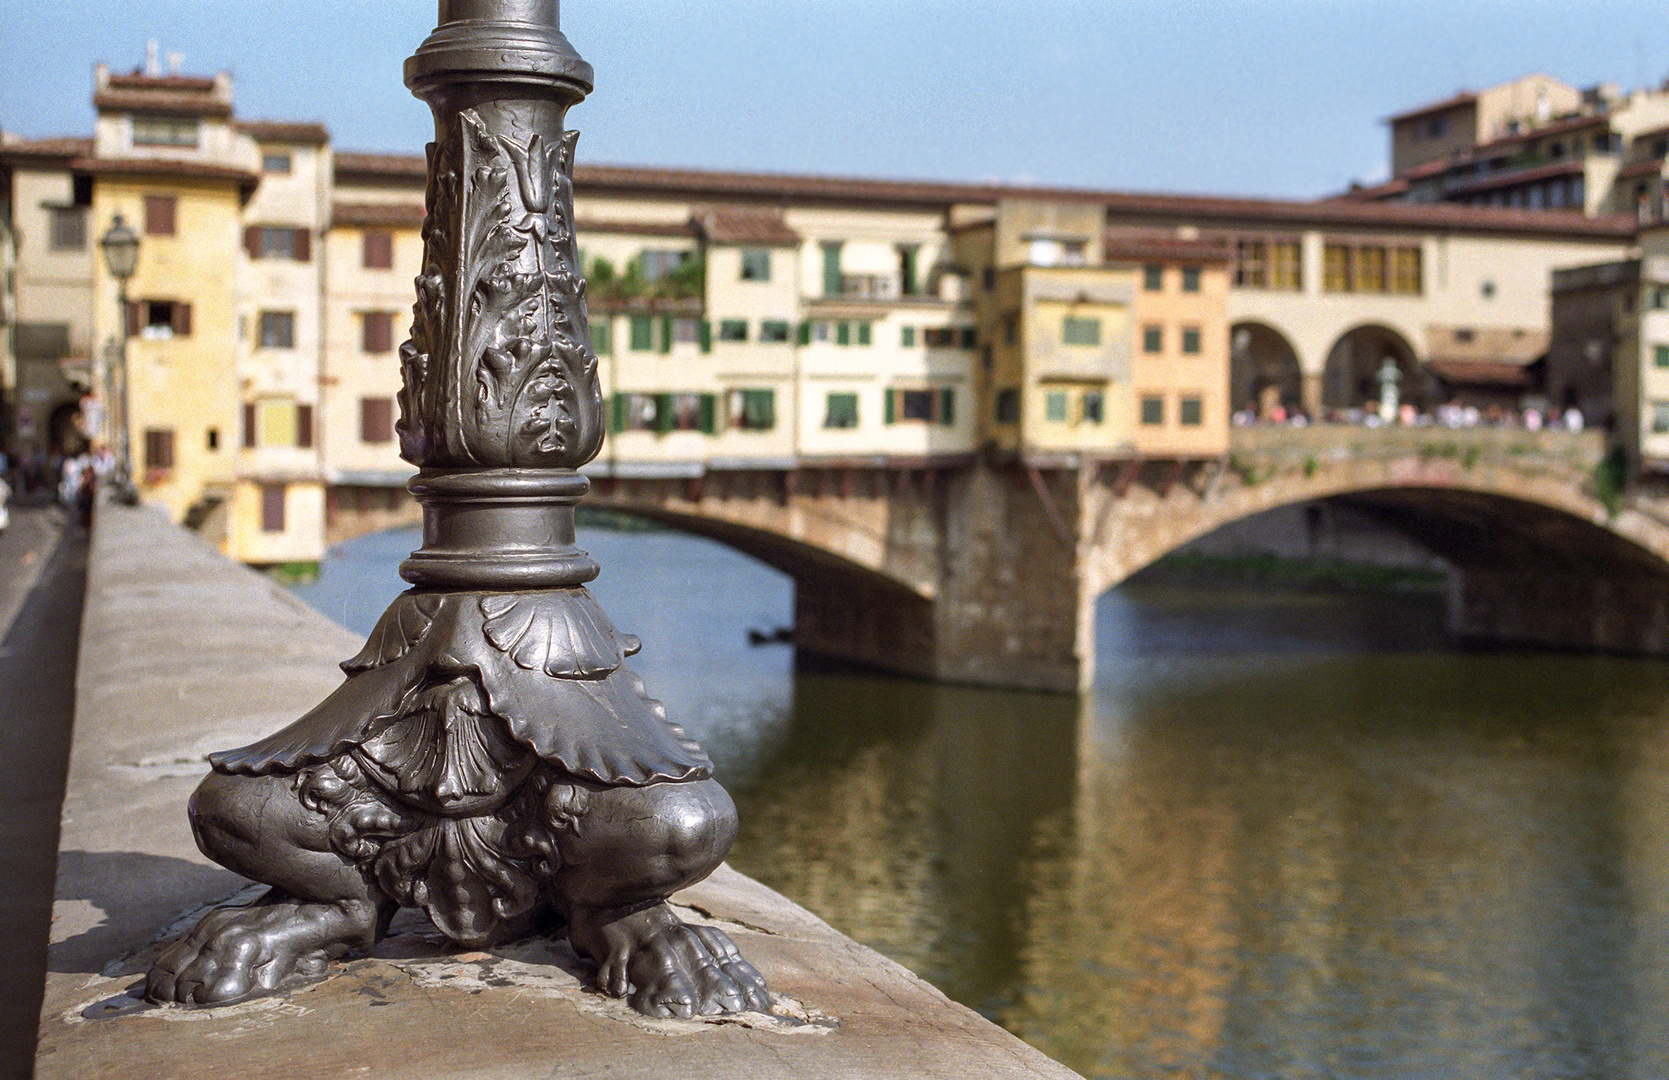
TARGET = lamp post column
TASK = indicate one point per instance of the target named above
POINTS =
(490, 758)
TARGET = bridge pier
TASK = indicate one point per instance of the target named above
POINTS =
(1561, 611)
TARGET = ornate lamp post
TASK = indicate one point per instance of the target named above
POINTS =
(120, 245)
(489, 759)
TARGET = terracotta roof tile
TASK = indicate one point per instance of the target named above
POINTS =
(311, 134)
(377, 215)
(762, 228)
(137, 81)
(392, 165)
(60, 147)
(1124, 244)
(1464, 97)
(161, 101)
(636, 228)
(164, 167)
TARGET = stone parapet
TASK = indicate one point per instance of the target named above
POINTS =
(182, 653)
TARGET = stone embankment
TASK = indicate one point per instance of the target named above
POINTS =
(183, 653)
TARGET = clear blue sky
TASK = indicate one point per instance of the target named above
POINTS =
(1239, 97)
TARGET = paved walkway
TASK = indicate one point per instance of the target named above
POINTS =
(43, 573)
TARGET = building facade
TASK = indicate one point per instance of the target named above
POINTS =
(742, 321)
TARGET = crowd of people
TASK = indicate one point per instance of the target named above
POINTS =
(1451, 415)
(72, 480)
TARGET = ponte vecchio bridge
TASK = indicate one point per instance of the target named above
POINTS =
(987, 571)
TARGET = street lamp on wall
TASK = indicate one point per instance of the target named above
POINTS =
(120, 245)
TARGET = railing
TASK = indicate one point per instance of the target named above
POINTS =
(1275, 448)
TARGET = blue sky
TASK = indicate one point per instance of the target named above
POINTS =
(1238, 97)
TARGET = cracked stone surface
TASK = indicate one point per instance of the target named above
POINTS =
(166, 676)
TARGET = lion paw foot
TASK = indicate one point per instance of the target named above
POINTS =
(663, 966)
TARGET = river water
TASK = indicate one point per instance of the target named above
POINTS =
(1288, 835)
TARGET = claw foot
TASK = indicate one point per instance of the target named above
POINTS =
(236, 953)
(665, 967)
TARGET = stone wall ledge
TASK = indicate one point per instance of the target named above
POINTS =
(183, 652)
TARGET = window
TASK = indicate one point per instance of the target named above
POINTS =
(376, 420)
(161, 213)
(773, 330)
(1008, 405)
(1077, 330)
(1054, 406)
(1153, 277)
(865, 334)
(840, 410)
(67, 229)
(159, 448)
(1191, 411)
(907, 337)
(753, 410)
(687, 331)
(685, 412)
(1011, 328)
(968, 337)
(733, 330)
(1286, 260)
(276, 163)
(642, 333)
(1660, 356)
(156, 320)
(1660, 418)
(376, 331)
(756, 264)
(272, 508)
(658, 264)
(1057, 252)
(1153, 338)
(276, 421)
(921, 405)
(635, 412)
(278, 330)
(1094, 406)
(376, 249)
(1153, 410)
(1190, 279)
(211, 439)
(1190, 339)
(602, 337)
(152, 130)
(843, 333)
(939, 337)
(1370, 268)
(278, 242)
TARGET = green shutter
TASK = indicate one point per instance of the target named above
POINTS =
(947, 406)
(843, 333)
(887, 406)
(907, 270)
(863, 333)
(617, 414)
(666, 333)
(709, 413)
(706, 335)
(643, 333)
(767, 408)
(831, 268)
(907, 336)
(663, 412)
(803, 334)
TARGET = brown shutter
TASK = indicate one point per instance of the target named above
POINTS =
(272, 507)
(135, 318)
(303, 245)
(304, 425)
(249, 426)
(377, 250)
(252, 241)
(181, 320)
(159, 448)
(376, 420)
(159, 215)
(377, 331)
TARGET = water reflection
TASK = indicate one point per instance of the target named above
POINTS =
(1288, 836)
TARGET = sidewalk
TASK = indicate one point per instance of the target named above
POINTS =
(43, 571)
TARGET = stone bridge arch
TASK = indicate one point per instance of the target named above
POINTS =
(1537, 556)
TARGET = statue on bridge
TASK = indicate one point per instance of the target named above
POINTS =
(489, 758)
